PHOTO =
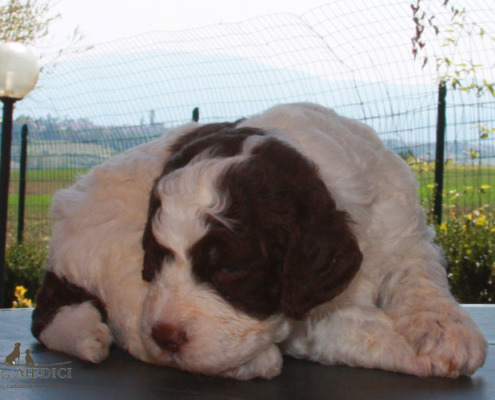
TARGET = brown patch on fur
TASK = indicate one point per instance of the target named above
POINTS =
(202, 132)
(55, 293)
(291, 249)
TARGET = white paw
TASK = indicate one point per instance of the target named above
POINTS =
(78, 330)
(266, 365)
(451, 341)
(94, 345)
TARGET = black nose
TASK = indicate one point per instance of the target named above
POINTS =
(168, 337)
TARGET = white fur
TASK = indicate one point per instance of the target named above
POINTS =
(397, 313)
(78, 330)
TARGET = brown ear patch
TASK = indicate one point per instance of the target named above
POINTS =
(323, 258)
(322, 255)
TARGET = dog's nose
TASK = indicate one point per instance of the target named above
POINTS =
(168, 337)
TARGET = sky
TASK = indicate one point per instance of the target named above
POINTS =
(103, 21)
(350, 41)
(107, 20)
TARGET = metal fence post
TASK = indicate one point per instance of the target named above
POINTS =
(195, 114)
(440, 152)
(22, 183)
(8, 109)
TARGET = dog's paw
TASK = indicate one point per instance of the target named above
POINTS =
(266, 365)
(451, 341)
(78, 330)
(94, 344)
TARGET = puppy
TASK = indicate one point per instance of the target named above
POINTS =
(218, 247)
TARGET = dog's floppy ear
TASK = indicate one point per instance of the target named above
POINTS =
(320, 253)
(323, 254)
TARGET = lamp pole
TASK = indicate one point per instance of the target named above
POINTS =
(8, 110)
(19, 71)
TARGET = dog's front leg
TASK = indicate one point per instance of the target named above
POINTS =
(357, 336)
(70, 320)
(417, 299)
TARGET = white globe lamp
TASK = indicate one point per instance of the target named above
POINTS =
(19, 71)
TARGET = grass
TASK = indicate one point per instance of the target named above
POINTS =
(466, 187)
(40, 188)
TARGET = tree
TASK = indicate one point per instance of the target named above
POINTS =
(25, 21)
(459, 74)
(28, 21)
(454, 67)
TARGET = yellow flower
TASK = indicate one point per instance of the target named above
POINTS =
(481, 220)
(443, 227)
(21, 302)
(20, 291)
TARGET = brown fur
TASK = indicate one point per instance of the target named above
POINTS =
(55, 293)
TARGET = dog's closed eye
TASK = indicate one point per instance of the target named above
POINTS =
(228, 270)
(227, 281)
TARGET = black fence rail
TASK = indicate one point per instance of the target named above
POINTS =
(355, 58)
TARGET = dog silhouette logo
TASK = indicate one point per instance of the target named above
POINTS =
(23, 363)
(29, 359)
(14, 358)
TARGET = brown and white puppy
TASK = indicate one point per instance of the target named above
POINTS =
(294, 230)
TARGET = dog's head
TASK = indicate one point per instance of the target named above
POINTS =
(242, 236)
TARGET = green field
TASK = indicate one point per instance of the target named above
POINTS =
(40, 188)
(465, 187)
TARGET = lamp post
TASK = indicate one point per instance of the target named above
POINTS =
(19, 71)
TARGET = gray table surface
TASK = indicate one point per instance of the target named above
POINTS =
(124, 377)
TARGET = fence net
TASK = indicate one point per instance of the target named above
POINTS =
(355, 57)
